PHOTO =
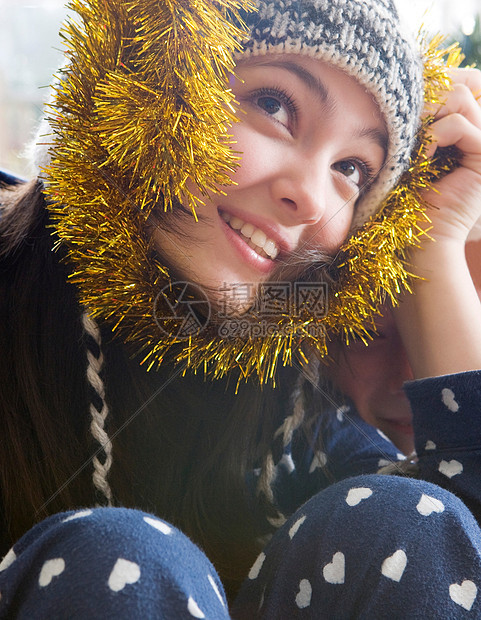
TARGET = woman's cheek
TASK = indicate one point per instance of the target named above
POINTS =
(333, 230)
(258, 154)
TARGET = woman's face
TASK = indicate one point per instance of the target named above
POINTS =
(310, 138)
(373, 376)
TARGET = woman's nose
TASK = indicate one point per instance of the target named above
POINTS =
(300, 192)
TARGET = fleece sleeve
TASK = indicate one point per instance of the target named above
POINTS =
(447, 427)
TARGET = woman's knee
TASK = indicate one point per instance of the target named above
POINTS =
(127, 561)
(374, 515)
(378, 502)
(368, 545)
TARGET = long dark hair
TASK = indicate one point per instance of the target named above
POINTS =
(42, 386)
(183, 447)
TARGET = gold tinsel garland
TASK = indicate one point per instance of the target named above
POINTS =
(142, 108)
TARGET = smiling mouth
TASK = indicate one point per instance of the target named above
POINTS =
(254, 237)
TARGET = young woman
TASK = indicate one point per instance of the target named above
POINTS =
(330, 98)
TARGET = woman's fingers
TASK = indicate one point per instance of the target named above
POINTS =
(461, 100)
(458, 123)
(458, 120)
(457, 129)
(465, 95)
(469, 77)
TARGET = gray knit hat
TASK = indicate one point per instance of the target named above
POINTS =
(364, 39)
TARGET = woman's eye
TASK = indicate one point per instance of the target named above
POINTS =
(276, 103)
(351, 169)
(272, 106)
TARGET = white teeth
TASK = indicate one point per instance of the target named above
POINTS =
(247, 230)
(270, 248)
(236, 223)
(273, 254)
(257, 239)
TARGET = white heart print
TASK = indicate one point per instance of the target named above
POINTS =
(427, 505)
(216, 589)
(8, 560)
(340, 411)
(194, 609)
(393, 566)
(303, 597)
(355, 496)
(51, 568)
(159, 525)
(381, 434)
(449, 400)
(124, 573)
(78, 515)
(334, 572)
(295, 528)
(464, 594)
(450, 468)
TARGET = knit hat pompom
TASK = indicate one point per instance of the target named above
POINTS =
(366, 41)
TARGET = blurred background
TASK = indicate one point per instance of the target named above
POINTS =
(30, 52)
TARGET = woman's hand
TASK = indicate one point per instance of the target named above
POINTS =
(440, 324)
(457, 199)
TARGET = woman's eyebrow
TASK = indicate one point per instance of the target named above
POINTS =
(377, 136)
(313, 83)
(322, 93)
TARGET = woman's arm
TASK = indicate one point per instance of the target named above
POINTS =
(440, 324)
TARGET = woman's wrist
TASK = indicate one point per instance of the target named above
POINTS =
(440, 323)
